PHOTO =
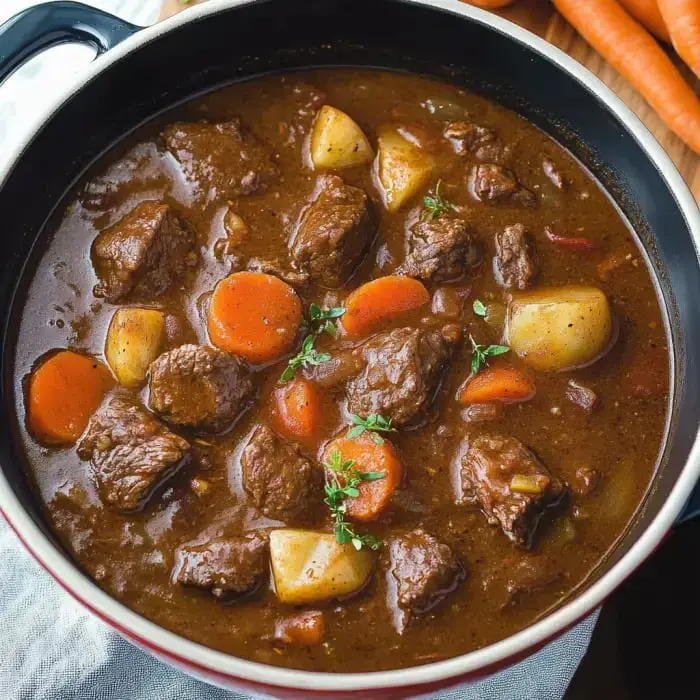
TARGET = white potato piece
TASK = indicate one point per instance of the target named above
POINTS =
(134, 339)
(337, 141)
(403, 169)
(310, 566)
(560, 328)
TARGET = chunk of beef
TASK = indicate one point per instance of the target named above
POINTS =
(488, 468)
(200, 387)
(467, 137)
(440, 250)
(515, 264)
(343, 365)
(403, 371)
(283, 483)
(142, 253)
(582, 396)
(425, 571)
(552, 172)
(220, 161)
(496, 184)
(130, 451)
(514, 578)
(334, 233)
(229, 567)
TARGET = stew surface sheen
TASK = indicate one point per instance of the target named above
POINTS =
(444, 580)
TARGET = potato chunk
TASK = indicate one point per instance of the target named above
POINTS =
(337, 141)
(403, 168)
(310, 566)
(134, 339)
(560, 328)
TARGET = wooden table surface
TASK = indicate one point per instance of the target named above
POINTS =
(540, 17)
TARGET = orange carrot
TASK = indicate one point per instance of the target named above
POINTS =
(380, 300)
(647, 13)
(504, 384)
(64, 392)
(632, 51)
(369, 457)
(254, 315)
(682, 18)
(305, 629)
(298, 409)
(489, 4)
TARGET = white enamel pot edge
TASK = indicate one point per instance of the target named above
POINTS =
(233, 672)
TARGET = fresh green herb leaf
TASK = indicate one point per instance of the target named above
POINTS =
(479, 308)
(307, 357)
(342, 481)
(374, 424)
(435, 204)
(480, 354)
(325, 317)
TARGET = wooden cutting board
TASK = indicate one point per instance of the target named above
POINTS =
(540, 17)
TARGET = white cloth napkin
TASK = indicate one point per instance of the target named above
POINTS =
(53, 649)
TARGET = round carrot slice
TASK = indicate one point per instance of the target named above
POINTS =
(298, 409)
(369, 457)
(254, 315)
(504, 384)
(64, 391)
(380, 300)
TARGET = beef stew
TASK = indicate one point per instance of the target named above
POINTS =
(367, 387)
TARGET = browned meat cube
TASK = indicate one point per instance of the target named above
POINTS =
(403, 371)
(131, 453)
(142, 253)
(510, 484)
(440, 250)
(582, 396)
(283, 483)
(467, 137)
(220, 161)
(495, 184)
(229, 567)
(200, 387)
(515, 264)
(334, 233)
(425, 571)
(585, 481)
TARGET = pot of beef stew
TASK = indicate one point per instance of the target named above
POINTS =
(341, 359)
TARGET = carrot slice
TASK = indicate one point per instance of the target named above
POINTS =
(504, 384)
(647, 13)
(64, 391)
(254, 315)
(382, 299)
(369, 457)
(632, 51)
(298, 409)
(304, 629)
(682, 18)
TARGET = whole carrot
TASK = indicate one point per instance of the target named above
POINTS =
(632, 51)
(682, 18)
(647, 13)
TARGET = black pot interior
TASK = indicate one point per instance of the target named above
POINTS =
(275, 35)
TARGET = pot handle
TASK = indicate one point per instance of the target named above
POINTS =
(42, 26)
